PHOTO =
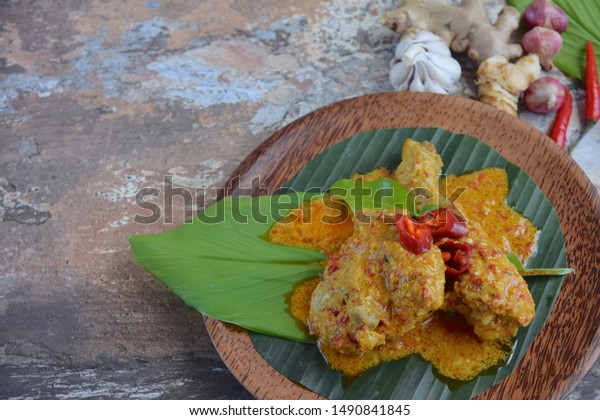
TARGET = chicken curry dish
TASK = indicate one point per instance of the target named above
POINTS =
(438, 285)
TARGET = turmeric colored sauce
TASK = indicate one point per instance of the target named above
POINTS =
(484, 200)
(446, 340)
(319, 224)
(300, 300)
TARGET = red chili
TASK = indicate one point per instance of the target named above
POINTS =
(444, 224)
(333, 265)
(414, 236)
(558, 133)
(592, 86)
(456, 256)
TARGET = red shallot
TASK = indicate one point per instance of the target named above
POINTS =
(544, 95)
(544, 13)
(543, 42)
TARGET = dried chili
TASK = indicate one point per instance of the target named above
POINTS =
(415, 237)
(456, 256)
(558, 133)
(592, 86)
(333, 264)
(444, 224)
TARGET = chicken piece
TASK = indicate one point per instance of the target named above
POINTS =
(419, 171)
(348, 304)
(415, 282)
(374, 287)
(497, 298)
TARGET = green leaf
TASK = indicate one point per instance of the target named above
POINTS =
(520, 5)
(379, 194)
(411, 377)
(525, 272)
(221, 266)
(584, 16)
(534, 272)
(515, 261)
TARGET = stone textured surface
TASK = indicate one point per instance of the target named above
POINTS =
(99, 99)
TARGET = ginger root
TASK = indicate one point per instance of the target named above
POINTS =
(500, 82)
(463, 28)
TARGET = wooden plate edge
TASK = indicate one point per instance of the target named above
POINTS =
(283, 388)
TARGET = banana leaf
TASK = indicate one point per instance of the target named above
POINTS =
(220, 264)
(412, 377)
(584, 16)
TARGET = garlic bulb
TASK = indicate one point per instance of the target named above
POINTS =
(423, 63)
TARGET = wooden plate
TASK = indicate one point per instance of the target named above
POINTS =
(568, 344)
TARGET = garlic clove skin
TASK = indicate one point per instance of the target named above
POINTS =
(423, 63)
(433, 87)
(418, 82)
(446, 71)
(432, 43)
(544, 42)
(429, 41)
(544, 13)
(401, 75)
(544, 95)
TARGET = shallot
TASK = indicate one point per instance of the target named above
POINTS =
(544, 95)
(544, 42)
(544, 13)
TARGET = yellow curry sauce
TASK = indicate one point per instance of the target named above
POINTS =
(445, 339)
(484, 200)
(304, 226)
